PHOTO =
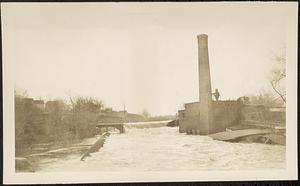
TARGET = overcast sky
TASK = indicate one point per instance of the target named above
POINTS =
(141, 55)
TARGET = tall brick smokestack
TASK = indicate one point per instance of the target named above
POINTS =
(205, 94)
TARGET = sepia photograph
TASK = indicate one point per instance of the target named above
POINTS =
(147, 92)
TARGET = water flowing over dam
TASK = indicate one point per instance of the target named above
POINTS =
(155, 147)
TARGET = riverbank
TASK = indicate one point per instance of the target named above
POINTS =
(96, 146)
(33, 158)
(44, 147)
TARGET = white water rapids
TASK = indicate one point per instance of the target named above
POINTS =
(155, 147)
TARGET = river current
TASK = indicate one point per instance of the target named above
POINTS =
(156, 147)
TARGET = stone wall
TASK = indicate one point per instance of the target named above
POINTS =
(181, 115)
(189, 118)
(225, 114)
(253, 112)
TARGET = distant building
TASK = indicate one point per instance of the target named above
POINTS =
(28, 100)
(55, 106)
(28, 103)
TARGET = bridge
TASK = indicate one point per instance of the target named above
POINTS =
(119, 126)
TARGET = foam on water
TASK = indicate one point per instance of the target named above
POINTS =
(164, 149)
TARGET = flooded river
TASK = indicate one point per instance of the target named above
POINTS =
(155, 147)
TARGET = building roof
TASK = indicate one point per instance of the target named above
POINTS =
(38, 101)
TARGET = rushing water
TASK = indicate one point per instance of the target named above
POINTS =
(165, 149)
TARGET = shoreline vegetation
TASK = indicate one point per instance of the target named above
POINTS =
(42, 126)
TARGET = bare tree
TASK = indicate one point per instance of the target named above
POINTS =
(85, 112)
(278, 74)
(86, 104)
(265, 98)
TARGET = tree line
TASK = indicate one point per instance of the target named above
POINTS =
(57, 121)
